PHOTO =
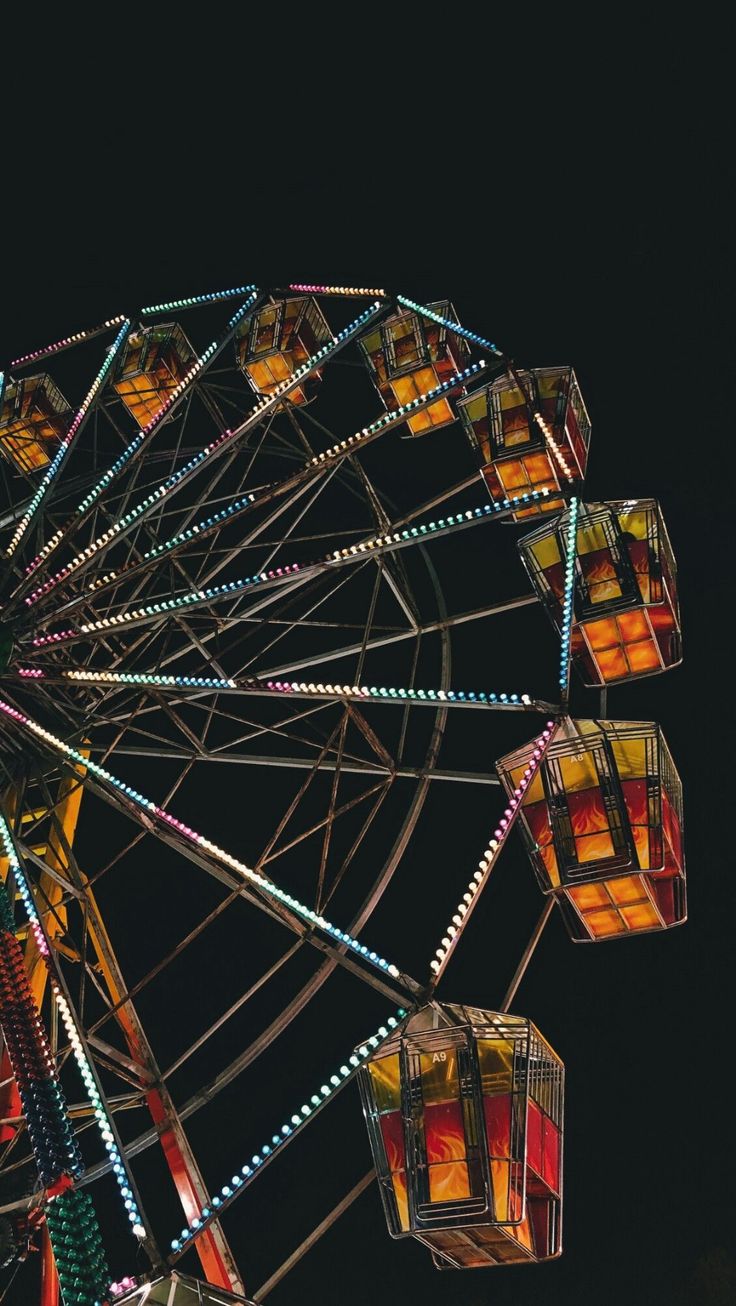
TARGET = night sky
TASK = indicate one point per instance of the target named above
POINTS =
(596, 252)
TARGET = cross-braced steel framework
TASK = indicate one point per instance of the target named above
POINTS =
(236, 582)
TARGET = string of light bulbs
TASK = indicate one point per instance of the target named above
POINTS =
(294, 688)
(284, 1134)
(361, 291)
(463, 911)
(195, 301)
(557, 453)
(568, 597)
(66, 342)
(456, 327)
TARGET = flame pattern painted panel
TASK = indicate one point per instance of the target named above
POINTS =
(34, 416)
(603, 825)
(409, 355)
(465, 1124)
(627, 621)
(515, 453)
(272, 345)
(155, 361)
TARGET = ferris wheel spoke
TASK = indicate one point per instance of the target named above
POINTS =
(379, 545)
(196, 301)
(245, 729)
(303, 763)
(291, 808)
(68, 342)
(199, 685)
(312, 1238)
(398, 636)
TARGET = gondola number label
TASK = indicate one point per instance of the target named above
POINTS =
(439, 1056)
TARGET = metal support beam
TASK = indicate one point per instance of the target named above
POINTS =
(314, 1237)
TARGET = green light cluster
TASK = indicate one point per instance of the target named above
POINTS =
(77, 1245)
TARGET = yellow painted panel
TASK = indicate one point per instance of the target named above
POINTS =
(641, 842)
(635, 523)
(612, 664)
(386, 1083)
(496, 1059)
(643, 656)
(500, 1181)
(439, 414)
(402, 1200)
(593, 847)
(547, 551)
(630, 758)
(591, 537)
(512, 398)
(476, 407)
(578, 772)
(512, 476)
(535, 792)
(549, 857)
(440, 1078)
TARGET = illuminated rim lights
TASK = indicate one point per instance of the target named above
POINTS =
(338, 290)
(284, 574)
(283, 1134)
(462, 912)
(299, 688)
(556, 450)
(451, 326)
(59, 345)
(567, 605)
(195, 301)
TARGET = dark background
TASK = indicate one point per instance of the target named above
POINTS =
(590, 236)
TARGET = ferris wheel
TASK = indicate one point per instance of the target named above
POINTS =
(229, 554)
